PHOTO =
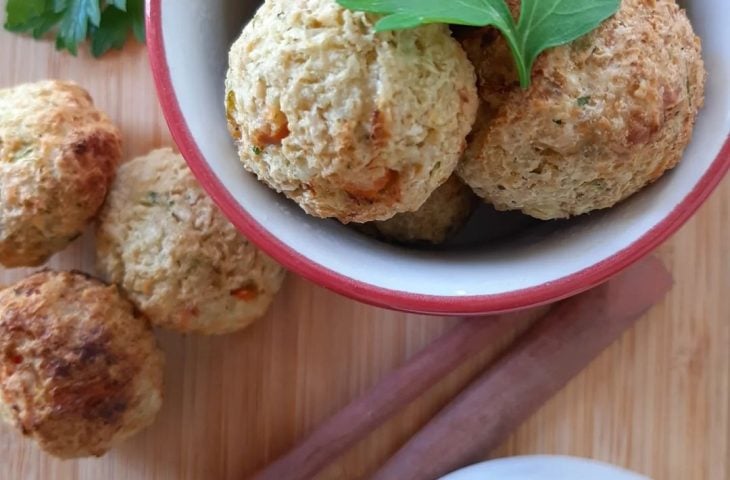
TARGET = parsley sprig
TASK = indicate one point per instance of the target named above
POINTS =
(543, 24)
(105, 23)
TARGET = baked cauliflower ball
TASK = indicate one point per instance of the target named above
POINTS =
(180, 261)
(349, 123)
(58, 154)
(80, 369)
(604, 117)
(443, 214)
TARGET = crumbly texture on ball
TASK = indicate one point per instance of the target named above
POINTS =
(80, 369)
(58, 154)
(604, 117)
(162, 239)
(349, 123)
(443, 214)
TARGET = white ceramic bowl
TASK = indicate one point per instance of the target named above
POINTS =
(542, 467)
(188, 44)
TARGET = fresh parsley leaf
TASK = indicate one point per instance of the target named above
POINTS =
(112, 32)
(545, 24)
(542, 24)
(120, 4)
(75, 23)
(403, 14)
(135, 9)
(106, 23)
(21, 12)
(42, 25)
(115, 25)
(38, 24)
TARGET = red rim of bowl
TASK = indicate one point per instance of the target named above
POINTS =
(394, 299)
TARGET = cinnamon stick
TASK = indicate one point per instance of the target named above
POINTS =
(399, 388)
(552, 352)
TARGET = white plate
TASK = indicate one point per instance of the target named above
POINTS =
(543, 468)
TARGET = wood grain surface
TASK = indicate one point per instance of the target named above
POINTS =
(657, 402)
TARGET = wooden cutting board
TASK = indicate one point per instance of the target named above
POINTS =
(657, 402)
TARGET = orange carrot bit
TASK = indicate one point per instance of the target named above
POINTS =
(247, 293)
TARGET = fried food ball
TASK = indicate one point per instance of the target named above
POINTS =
(178, 258)
(605, 116)
(58, 155)
(443, 214)
(349, 123)
(80, 369)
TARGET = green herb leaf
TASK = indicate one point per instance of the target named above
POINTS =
(59, 5)
(150, 199)
(120, 4)
(36, 21)
(112, 32)
(583, 101)
(75, 23)
(106, 23)
(549, 23)
(542, 24)
(403, 14)
(21, 12)
(135, 9)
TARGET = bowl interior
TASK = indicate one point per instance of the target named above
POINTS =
(196, 37)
